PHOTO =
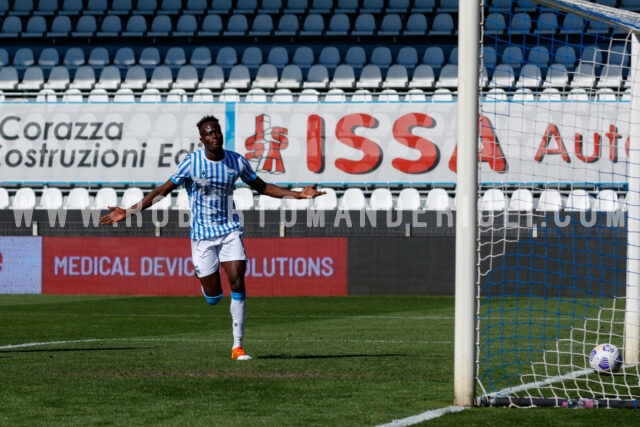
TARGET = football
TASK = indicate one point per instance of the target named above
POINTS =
(605, 358)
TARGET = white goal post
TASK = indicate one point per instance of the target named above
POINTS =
(561, 359)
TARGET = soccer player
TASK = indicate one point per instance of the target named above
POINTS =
(209, 175)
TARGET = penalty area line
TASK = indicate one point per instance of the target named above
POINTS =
(425, 416)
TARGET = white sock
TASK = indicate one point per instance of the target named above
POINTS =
(238, 310)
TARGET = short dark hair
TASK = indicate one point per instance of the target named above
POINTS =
(206, 119)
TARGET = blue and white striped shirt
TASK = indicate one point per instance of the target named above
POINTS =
(210, 187)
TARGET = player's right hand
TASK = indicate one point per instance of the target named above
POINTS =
(116, 215)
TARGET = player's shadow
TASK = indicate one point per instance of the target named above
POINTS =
(326, 356)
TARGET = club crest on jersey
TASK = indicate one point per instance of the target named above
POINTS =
(265, 146)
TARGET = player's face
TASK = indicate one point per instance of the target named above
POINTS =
(211, 136)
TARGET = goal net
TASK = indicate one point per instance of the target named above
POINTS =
(558, 202)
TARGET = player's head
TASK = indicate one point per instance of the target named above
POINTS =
(210, 133)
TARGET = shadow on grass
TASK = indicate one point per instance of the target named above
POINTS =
(325, 356)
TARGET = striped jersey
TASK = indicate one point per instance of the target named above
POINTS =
(210, 187)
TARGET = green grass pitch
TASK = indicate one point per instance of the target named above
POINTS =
(353, 361)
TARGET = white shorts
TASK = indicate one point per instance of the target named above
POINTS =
(209, 253)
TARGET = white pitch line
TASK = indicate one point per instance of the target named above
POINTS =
(425, 416)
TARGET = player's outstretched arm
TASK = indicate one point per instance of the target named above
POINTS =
(308, 192)
(118, 214)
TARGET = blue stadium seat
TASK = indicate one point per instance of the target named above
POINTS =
(278, 56)
(32, 79)
(423, 77)
(175, 57)
(195, 7)
(187, 78)
(397, 77)
(211, 26)
(288, 25)
(96, 7)
(423, 6)
(382, 57)
(161, 26)
(121, 7)
(109, 79)
(60, 27)
(252, 58)
(343, 77)
(161, 78)
(212, 78)
(494, 24)
(391, 25)
(321, 6)
(396, 6)
(521, 23)
(296, 7)
(303, 57)
(356, 57)
(313, 25)
(416, 25)
(74, 58)
(246, 6)
(329, 57)
(36, 27)
(135, 78)
(11, 27)
(136, 26)
(149, 57)
(221, 7)
(266, 77)
(86, 26)
(170, 7)
(71, 7)
(8, 78)
(22, 8)
(237, 26)
(365, 25)
(200, 57)
(317, 77)
(239, 77)
(48, 58)
(407, 56)
(124, 58)
(290, 77)
(84, 78)
(346, 6)
(227, 57)
(111, 26)
(262, 25)
(271, 7)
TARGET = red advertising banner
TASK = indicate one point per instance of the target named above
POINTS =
(163, 266)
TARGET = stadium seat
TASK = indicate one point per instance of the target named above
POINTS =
(521, 23)
(416, 25)
(521, 200)
(494, 199)
(237, 26)
(278, 56)
(283, 95)
(565, 55)
(256, 94)
(434, 57)
(496, 94)
(135, 79)
(11, 27)
(4, 57)
(317, 77)
(266, 77)
(303, 57)
(163, 204)
(84, 78)
(186, 26)
(161, 78)
(578, 94)
(105, 197)
(211, 26)
(32, 79)
(442, 95)
(51, 198)
(161, 26)
(495, 24)
(150, 95)
(136, 26)
(109, 79)
(175, 57)
(124, 95)
(221, 7)
(530, 76)
(539, 55)
(504, 76)
(523, 94)
(229, 94)
(36, 27)
(438, 200)
(96, 7)
(396, 77)
(328, 201)
(290, 78)
(124, 58)
(610, 76)
(78, 198)
(388, 95)
(98, 96)
(47, 95)
(353, 199)
(572, 24)
(606, 94)
(239, 78)
(370, 77)
(177, 95)
(212, 78)
(71, 7)
(550, 200)
(364, 25)
(391, 25)
(346, 6)
(149, 58)
(309, 95)
(550, 94)
(187, 78)
(382, 57)
(415, 95)
(557, 76)
(252, 58)
(335, 95)
(443, 25)
(272, 7)
(23, 58)
(296, 6)
(396, 6)
(5, 199)
(381, 199)
(202, 95)
(24, 199)
(121, 7)
(547, 24)
(195, 7)
(268, 203)
(423, 77)
(131, 196)
(579, 200)
(361, 95)
(329, 57)
(407, 56)
(58, 78)
(607, 201)
(448, 77)
(321, 6)
(262, 26)
(288, 25)
(356, 57)
(111, 26)
(246, 6)
(408, 200)
(584, 76)
(200, 57)
(243, 198)
(98, 58)
(74, 58)
(227, 57)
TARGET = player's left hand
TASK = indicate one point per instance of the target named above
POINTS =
(310, 192)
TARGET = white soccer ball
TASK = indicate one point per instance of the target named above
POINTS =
(605, 358)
